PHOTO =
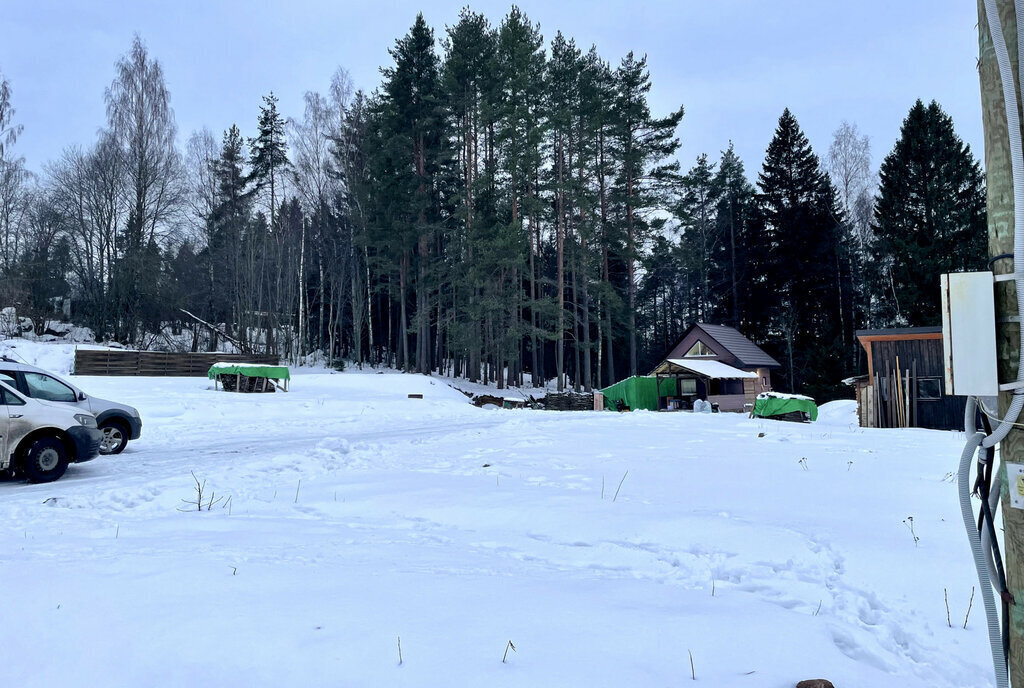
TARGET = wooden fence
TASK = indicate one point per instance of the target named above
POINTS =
(157, 363)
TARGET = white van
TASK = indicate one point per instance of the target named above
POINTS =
(38, 439)
(118, 422)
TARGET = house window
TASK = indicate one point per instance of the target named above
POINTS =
(929, 388)
(723, 387)
(687, 386)
(699, 349)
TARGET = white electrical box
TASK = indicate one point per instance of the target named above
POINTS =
(969, 334)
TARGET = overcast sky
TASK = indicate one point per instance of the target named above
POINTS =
(734, 65)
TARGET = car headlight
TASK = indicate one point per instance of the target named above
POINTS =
(86, 420)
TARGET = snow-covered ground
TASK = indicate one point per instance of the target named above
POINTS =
(606, 547)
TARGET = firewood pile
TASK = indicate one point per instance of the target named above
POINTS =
(568, 401)
(249, 384)
(500, 402)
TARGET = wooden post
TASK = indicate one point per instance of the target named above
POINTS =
(913, 389)
(888, 396)
(999, 204)
(906, 398)
(877, 388)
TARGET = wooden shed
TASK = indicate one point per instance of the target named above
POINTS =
(904, 384)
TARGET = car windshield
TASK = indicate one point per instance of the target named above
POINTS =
(47, 388)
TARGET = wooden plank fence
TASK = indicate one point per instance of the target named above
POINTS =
(157, 363)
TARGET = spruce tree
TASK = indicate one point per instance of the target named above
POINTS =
(794, 294)
(929, 218)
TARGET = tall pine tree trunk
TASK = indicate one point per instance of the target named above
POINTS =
(560, 248)
(631, 260)
(403, 330)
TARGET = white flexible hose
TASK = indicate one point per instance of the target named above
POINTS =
(1006, 76)
(981, 544)
(995, 638)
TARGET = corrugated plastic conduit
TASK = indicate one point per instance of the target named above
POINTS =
(982, 544)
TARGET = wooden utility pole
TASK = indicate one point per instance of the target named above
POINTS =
(999, 186)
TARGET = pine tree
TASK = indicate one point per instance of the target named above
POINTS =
(226, 228)
(697, 213)
(413, 121)
(562, 82)
(643, 145)
(471, 95)
(929, 218)
(269, 152)
(733, 215)
(520, 65)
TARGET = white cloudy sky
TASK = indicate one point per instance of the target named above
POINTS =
(733, 64)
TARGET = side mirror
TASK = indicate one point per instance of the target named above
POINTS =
(81, 396)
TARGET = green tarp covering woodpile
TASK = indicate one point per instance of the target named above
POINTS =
(638, 393)
(249, 370)
(769, 404)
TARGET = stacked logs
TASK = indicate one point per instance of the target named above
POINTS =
(568, 401)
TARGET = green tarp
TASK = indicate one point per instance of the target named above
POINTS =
(638, 393)
(249, 370)
(777, 405)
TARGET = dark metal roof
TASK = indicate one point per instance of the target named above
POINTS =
(749, 353)
(896, 331)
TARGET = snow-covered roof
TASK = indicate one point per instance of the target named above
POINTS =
(780, 395)
(713, 370)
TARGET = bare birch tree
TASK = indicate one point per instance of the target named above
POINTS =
(201, 154)
(141, 119)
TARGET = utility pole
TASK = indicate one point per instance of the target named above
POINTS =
(999, 186)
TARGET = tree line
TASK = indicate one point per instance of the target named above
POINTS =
(499, 208)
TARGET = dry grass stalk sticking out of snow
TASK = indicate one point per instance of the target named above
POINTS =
(198, 500)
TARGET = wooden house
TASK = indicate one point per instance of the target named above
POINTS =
(718, 364)
(904, 385)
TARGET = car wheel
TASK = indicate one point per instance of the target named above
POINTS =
(115, 437)
(46, 460)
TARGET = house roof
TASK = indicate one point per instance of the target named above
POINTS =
(749, 354)
(899, 332)
(712, 370)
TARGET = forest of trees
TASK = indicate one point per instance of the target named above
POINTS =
(500, 208)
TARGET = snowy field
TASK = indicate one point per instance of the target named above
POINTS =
(347, 515)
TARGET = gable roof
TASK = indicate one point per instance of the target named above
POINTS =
(749, 353)
(713, 370)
